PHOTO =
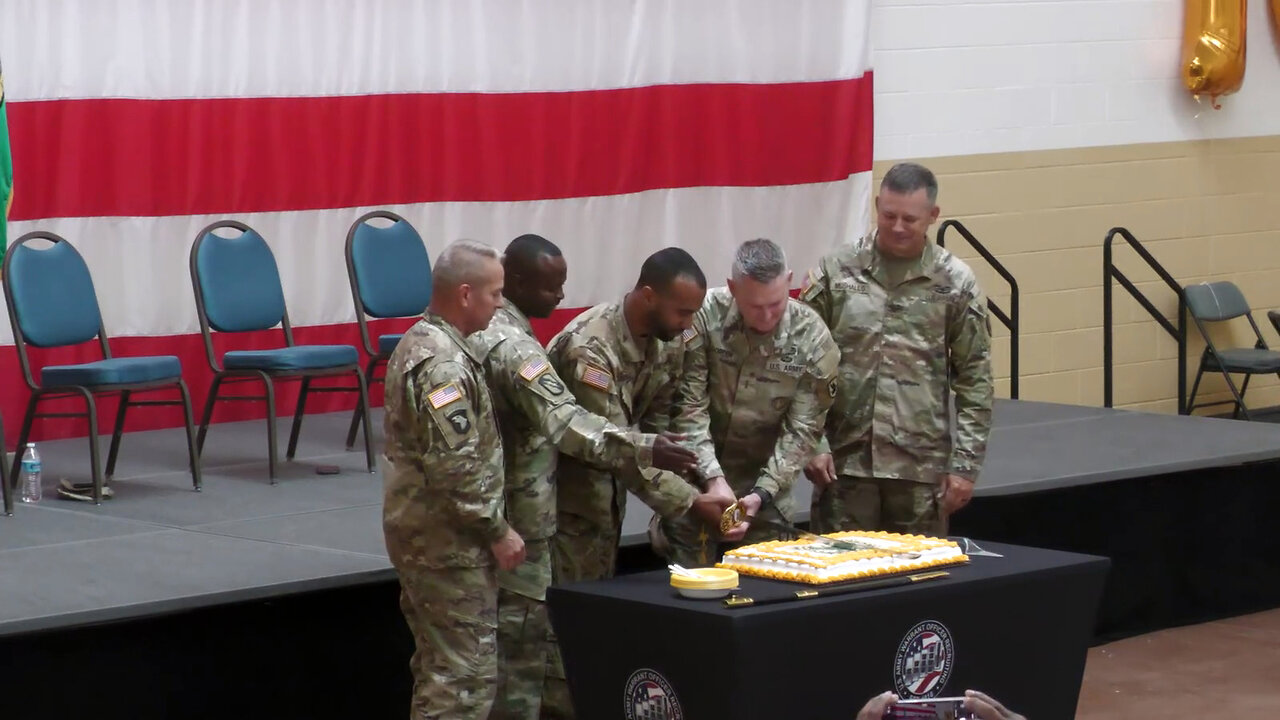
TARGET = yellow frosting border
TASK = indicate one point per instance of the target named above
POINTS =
(776, 550)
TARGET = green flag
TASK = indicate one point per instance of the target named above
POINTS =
(6, 169)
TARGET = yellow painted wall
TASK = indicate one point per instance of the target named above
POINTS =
(1208, 210)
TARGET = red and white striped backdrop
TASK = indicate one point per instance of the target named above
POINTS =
(614, 128)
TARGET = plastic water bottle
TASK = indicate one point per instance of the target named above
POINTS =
(32, 490)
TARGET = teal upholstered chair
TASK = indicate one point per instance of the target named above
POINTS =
(390, 278)
(52, 303)
(237, 288)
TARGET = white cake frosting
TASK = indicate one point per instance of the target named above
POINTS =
(811, 561)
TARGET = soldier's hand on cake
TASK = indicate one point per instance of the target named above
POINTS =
(821, 470)
(985, 707)
(669, 455)
(877, 706)
(955, 492)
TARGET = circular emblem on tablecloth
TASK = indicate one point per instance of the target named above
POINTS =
(649, 697)
(924, 661)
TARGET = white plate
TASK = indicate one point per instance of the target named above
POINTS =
(705, 594)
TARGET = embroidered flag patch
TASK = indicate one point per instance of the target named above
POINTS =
(689, 334)
(597, 378)
(532, 368)
(444, 395)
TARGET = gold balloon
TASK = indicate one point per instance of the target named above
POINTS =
(1213, 47)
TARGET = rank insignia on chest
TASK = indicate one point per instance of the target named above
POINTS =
(832, 386)
(444, 395)
(597, 378)
(532, 368)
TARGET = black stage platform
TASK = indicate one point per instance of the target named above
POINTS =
(287, 588)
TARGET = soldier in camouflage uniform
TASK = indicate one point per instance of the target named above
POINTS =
(537, 416)
(443, 508)
(622, 361)
(913, 326)
(760, 374)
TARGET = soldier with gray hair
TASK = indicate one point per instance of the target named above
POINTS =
(759, 376)
(443, 509)
(913, 325)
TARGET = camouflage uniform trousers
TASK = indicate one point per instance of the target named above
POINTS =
(579, 551)
(523, 629)
(688, 541)
(878, 504)
(452, 613)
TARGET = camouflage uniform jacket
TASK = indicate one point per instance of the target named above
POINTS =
(892, 417)
(630, 386)
(537, 415)
(442, 477)
(758, 405)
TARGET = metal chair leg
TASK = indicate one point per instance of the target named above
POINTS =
(91, 411)
(207, 415)
(23, 435)
(4, 477)
(1240, 406)
(368, 427)
(116, 432)
(297, 418)
(271, 426)
(359, 412)
(1195, 387)
(192, 453)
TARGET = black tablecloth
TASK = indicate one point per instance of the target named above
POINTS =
(1017, 627)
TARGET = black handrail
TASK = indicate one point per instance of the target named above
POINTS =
(1178, 332)
(1010, 320)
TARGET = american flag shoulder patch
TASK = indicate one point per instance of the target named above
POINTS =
(597, 378)
(689, 335)
(444, 395)
(532, 368)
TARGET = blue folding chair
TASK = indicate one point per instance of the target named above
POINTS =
(237, 286)
(52, 303)
(390, 278)
(1221, 301)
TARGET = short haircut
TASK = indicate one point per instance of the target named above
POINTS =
(906, 178)
(523, 252)
(461, 263)
(663, 267)
(760, 259)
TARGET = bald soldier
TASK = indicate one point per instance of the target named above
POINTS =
(913, 325)
(443, 507)
(538, 416)
(622, 360)
(759, 377)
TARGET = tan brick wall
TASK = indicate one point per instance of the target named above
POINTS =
(1208, 210)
